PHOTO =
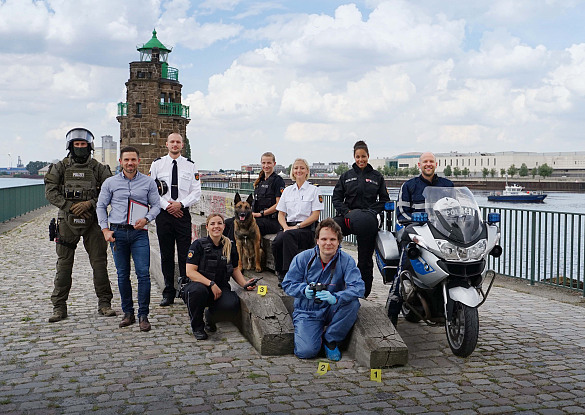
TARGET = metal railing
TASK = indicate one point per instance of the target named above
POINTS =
(543, 247)
(16, 201)
(172, 108)
(122, 109)
(538, 246)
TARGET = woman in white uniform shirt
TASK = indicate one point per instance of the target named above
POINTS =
(298, 209)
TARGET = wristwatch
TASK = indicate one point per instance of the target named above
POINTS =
(211, 284)
(298, 226)
(262, 212)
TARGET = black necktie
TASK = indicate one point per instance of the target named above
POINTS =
(175, 182)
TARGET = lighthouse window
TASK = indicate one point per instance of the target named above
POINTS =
(140, 74)
(138, 108)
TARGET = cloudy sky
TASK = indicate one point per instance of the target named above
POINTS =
(303, 78)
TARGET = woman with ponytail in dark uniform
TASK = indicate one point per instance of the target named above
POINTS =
(210, 265)
(267, 190)
(359, 196)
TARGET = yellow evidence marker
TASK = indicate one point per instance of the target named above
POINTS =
(323, 368)
(262, 290)
(376, 375)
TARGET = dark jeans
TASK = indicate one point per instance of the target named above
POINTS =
(170, 231)
(364, 225)
(287, 244)
(198, 297)
(132, 242)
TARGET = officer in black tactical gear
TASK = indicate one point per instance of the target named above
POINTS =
(73, 185)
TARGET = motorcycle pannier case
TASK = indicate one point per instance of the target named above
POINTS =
(387, 255)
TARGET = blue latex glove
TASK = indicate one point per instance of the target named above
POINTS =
(309, 293)
(326, 296)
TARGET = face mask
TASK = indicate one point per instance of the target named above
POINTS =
(80, 154)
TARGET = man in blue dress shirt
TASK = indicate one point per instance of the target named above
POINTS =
(134, 202)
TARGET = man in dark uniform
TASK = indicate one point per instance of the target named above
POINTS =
(411, 200)
(173, 223)
(73, 185)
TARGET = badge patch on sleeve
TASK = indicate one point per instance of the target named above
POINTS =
(320, 199)
(190, 254)
(197, 176)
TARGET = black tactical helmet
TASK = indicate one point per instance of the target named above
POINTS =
(76, 134)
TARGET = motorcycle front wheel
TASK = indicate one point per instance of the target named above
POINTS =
(463, 329)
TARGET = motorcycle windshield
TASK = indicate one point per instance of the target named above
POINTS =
(453, 211)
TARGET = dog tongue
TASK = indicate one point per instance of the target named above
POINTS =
(242, 216)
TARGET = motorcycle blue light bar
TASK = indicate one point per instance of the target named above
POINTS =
(420, 217)
(389, 206)
(493, 217)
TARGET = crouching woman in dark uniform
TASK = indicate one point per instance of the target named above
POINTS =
(209, 268)
(358, 198)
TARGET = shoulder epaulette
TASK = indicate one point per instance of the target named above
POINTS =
(190, 161)
(157, 159)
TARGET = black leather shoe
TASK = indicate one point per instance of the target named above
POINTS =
(144, 323)
(200, 334)
(209, 323)
(167, 301)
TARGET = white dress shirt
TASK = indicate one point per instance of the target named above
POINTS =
(188, 177)
(298, 204)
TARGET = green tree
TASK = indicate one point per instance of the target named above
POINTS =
(493, 172)
(545, 170)
(456, 172)
(342, 168)
(502, 172)
(392, 171)
(465, 172)
(288, 169)
(447, 171)
(484, 172)
(523, 172)
(512, 170)
(414, 171)
(534, 172)
(187, 148)
(33, 167)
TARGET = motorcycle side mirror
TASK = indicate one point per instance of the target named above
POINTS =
(493, 217)
(496, 251)
(412, 251)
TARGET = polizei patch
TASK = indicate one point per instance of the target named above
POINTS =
(78, 174)
(79, 221)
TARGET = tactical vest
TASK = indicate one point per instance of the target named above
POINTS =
(264, 195)
(79, 183)
(214, 265)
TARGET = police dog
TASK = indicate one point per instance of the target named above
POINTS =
(247, 234)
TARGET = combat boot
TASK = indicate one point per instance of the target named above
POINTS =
(58, 315)
(107, 311)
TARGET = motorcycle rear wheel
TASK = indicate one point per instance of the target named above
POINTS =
(463, 329)
(409, 315)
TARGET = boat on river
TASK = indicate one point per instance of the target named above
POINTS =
(516, 194)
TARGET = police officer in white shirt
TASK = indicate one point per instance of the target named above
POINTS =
(298, 209)
(179, 187)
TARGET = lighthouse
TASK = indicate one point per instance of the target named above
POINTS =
(153, 108)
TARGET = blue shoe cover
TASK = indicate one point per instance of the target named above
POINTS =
(334, 355)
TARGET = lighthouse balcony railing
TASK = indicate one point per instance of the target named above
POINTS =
(175, 109)
(170, 73)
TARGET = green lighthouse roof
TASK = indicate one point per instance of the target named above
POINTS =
(153, 43)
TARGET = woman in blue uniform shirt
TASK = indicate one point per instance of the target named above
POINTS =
(358, 197)
(335, 306)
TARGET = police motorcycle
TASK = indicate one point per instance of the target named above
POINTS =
(443, 263)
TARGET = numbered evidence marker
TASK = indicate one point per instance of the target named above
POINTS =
(322, 368)
(262, 290)
(376, 375)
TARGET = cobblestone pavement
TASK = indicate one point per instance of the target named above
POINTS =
(530, 356)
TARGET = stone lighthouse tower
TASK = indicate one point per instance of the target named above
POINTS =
(153, 106)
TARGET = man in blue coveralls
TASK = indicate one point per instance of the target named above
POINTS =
(334, 303)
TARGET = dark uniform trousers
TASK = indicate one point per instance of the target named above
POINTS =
(198, 296)
(96, 247)
(364, 225)
(170, 231)
(287, 244)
